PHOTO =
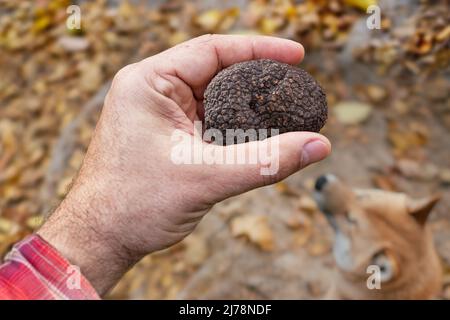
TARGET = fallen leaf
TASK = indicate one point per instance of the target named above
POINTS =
(35, 222)
(307, 204)
(270, 25)
(420, 44)
(8, 227)
(196, 250)
(302, 226)
(91, 76)
(41, 23)
(63, 186)
(360, 4)
(444, 34)
(404, 138)
(229, 19)
(284, 189)
(298, 221)
(352, 112)
(209, 20)
(318, 246)
(8, 134)
(376, 93)
(177, 37)
(415, 170)
(256, 229)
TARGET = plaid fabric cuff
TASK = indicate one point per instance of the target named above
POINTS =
(33, 269)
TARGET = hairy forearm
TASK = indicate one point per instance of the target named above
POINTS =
(73, 231)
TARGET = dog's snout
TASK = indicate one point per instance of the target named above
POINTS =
(321, 182)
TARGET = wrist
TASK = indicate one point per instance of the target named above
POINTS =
(82, 241)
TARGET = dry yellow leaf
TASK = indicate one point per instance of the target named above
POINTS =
(376, 93)
(283, 188)
(360, 4)
(41, 23)
(229, 19)
(76, 159)
(443, 34)
(7, 136)
(35, 222)
(91, 76)
(196, 250)
(63, 186)
(270, 25)
(177, 37)
(7, 226)
(256, 229)
(12, 193)
(126, 9)
(209, 20)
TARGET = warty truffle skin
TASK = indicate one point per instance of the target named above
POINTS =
(264, 94)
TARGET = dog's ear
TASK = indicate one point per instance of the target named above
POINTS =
(421, 208)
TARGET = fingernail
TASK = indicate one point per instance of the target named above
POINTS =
(314, 151)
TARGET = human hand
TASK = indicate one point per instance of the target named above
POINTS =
(129, 198)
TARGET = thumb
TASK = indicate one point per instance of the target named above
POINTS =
(260, 163)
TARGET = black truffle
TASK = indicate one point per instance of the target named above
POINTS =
(264, 94)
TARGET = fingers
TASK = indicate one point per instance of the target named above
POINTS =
(196, 61)
(277, 158)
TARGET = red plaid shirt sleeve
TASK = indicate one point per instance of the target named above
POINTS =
(35, 270)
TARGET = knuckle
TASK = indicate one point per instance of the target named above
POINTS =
(123, 75)
(124, 82)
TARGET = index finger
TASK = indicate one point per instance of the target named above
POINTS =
(197, 61)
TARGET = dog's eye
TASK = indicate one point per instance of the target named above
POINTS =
(386, 264)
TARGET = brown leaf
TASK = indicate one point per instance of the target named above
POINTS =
(91, 76)
(444, 34)
(196, 250)
(256, 229)
(209, 20)
(376, 93)
(415, 170)
(284, 189)
(318, 246)
(307, 204)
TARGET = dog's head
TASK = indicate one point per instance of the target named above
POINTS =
(377, 228)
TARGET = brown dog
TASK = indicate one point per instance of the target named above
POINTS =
(383, 247)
